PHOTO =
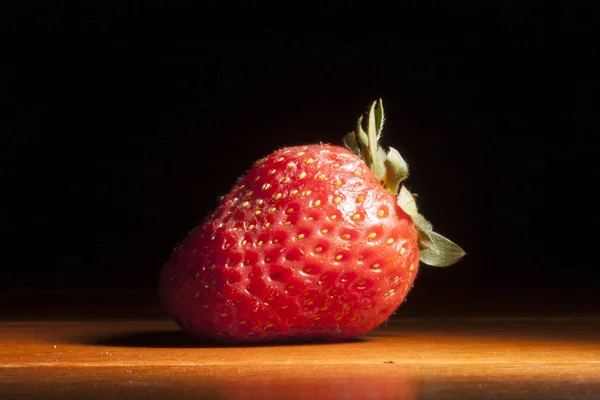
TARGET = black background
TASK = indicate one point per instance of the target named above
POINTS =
(123, 124)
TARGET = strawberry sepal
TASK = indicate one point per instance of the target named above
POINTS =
(391, 170)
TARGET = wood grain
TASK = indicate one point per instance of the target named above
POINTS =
(417, 358)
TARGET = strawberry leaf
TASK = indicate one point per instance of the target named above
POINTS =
(351, 143)
(378, 155)
(425, 241)
(407, 203)
(434, 249)
(396, 170)
(439, 251)
(378, 166)
(379, 119)
(422, 224)
(363, 141)
(372, 132)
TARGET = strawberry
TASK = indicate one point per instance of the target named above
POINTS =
(313, 242)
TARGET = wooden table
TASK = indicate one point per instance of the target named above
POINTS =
(99, 354)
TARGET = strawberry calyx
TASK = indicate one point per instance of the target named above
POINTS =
(391, 170)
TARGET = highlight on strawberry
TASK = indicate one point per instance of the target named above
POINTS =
(316, 242)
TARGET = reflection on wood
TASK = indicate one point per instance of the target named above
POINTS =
(477, 358)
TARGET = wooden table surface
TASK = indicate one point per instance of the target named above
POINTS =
(93, 356)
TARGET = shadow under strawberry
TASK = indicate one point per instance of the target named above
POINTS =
(179, 339)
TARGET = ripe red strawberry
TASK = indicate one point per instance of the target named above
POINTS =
(313, 242)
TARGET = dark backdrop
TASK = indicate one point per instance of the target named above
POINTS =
(124, 124)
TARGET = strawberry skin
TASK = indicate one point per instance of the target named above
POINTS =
(314, 242)
(308, 244)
